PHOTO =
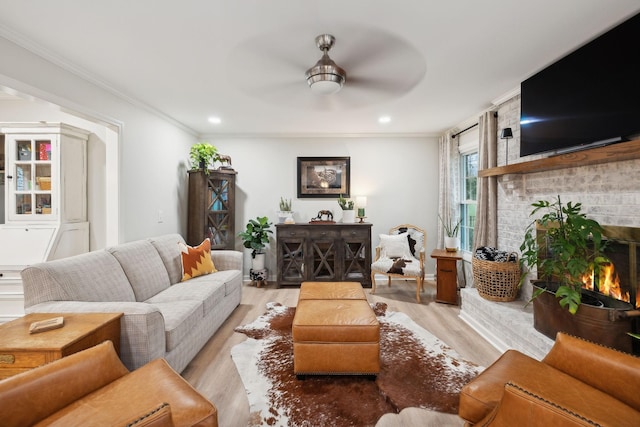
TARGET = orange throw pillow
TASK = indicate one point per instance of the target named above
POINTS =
(196, 261)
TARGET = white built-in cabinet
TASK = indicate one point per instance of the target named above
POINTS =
(43, 210)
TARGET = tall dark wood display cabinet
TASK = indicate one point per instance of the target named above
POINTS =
(212, 208)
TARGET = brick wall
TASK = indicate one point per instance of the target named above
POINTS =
(609, 193)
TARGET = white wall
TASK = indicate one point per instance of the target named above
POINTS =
(398, 175)
(149, 171)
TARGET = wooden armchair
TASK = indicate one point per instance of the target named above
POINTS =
(400, 254)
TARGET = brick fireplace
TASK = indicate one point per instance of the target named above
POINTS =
(609, 194)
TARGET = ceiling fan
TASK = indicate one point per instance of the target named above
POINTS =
(380, 66)
(325, 77)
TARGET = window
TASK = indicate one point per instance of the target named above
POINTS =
(468, 199)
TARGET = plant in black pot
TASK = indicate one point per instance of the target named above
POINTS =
(256, 237)
(566, 247)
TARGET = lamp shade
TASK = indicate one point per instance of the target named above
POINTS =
(506, 133)
(361, 201)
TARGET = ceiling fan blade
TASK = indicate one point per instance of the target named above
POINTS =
(380, 84)
(370, 48)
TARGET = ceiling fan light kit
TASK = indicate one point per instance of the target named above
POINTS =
(325, 77)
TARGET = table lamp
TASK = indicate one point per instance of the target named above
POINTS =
(361, 203)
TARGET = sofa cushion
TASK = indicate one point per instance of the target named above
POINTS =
(93, 276)
(169, 250)
(180, 318)
(209, 289)
(196, 261)
(143, 266)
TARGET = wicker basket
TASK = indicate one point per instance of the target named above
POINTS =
(496, 281)
(44, 183)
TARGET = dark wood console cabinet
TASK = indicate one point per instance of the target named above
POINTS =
(323, 253)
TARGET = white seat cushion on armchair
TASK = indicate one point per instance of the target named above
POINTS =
(392, 247)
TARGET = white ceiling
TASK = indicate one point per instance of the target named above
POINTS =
(429, 65)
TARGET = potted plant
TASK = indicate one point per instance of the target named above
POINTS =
(348, 213)
(256, 237)
(451, 239)
(202, 155)
(565, 246)
(285, 214)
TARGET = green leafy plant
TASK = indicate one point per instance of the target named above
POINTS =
(574, 247)
(202, 155)
(256, 235)
(285, 205)
(345, 204)
(451, 229)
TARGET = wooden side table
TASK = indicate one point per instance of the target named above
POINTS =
(446, 275)
(21, 351)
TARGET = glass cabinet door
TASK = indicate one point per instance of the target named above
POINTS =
(29, 182)
(219, 216)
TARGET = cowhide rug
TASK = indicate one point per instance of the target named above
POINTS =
(417, 370)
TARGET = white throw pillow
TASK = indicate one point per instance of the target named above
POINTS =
(394, 246)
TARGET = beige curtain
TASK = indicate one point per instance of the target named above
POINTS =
(486, 228)
(449, 197)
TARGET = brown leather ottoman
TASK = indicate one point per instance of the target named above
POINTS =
(331, 290)
(335, 337)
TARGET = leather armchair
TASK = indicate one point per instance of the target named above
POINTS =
(93, 387)
(578, 383)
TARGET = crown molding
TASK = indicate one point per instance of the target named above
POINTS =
(506, 96)
(315, 135)
(38, 50)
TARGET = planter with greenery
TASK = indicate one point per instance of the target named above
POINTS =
(285, 214)
(203, 155)
(348, 212)
(569, 248)
(256, 237)
(566, 246)
(451, 239)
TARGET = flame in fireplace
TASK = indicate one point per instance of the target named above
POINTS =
(608, 283)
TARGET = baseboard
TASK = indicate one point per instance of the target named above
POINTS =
(489, 336)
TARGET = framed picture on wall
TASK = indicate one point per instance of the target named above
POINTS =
(324, 176)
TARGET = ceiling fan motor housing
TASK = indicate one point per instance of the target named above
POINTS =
(325, 76)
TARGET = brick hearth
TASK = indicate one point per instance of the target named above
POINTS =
(504, 324)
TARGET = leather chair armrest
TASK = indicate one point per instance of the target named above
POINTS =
(32, 396)
(159, 416)
(521, 407)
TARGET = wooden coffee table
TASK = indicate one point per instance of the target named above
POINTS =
(21, 351)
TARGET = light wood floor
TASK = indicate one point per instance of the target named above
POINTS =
(214, 374)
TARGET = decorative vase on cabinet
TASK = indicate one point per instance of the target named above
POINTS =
(212, 208)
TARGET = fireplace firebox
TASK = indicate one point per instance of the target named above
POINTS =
(616, 288)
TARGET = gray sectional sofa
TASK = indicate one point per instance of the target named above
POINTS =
(163, 317)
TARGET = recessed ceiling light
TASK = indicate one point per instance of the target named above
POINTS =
(384, 119)
(215, 120)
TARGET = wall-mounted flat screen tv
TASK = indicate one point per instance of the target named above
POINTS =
(588, 98)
